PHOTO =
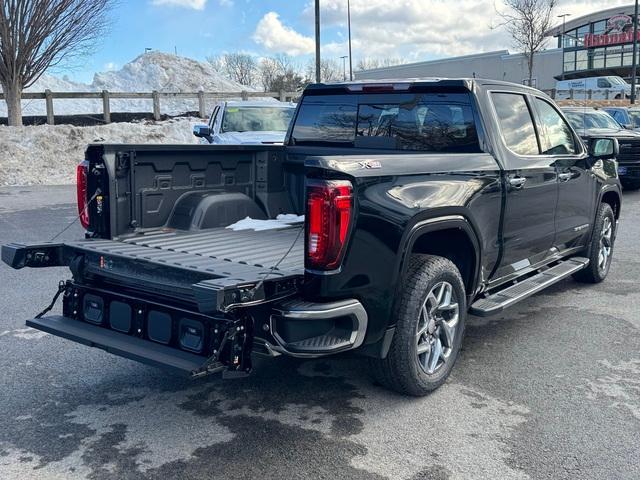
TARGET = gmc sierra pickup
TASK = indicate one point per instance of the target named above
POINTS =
(424, 201)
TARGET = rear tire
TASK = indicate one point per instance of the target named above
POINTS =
(430, 322)
(600, 251)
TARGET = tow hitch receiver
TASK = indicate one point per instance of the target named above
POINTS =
(231, 352)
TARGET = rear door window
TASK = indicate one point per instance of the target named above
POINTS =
(415, 122)
(516, 123)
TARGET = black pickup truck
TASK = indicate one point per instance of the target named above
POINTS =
(423, 200)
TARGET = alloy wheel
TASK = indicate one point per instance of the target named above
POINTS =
(436, 329)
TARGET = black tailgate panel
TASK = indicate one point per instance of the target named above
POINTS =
(172, 262)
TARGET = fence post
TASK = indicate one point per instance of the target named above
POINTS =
(202, 107)
(156, 105)
(606, 94)
(106, 107)
(244, 95)
(571, 94)
(553, 93)
(589, 94)
(283, 96)
(48, 98)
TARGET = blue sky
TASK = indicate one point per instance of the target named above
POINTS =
(412, 29)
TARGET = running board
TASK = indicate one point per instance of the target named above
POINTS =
(498, 301)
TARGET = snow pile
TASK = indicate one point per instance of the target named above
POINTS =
(48, 154)
(151, 71)
(165, 73)
(282, 220)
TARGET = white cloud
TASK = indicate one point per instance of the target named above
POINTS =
(421, 29)
(110, 66)
(276, 37)
(194, 4)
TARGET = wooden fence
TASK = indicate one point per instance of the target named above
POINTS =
(48, 96)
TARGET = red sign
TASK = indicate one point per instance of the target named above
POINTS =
(601, 40)
(619, 30)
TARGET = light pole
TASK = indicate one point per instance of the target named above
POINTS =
(344, 67)
(350, 56)
(564, 17)
(634, 62)
(318, 79)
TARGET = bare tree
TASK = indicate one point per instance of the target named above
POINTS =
(527, 21)
(330, 70)
(269, 71)
(370, 63)
(38, 34)
(240, 67)
(217, 62)
(281, 73)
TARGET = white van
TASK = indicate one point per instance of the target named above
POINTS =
(601, 88)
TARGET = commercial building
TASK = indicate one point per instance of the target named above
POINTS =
(598, 44)
(499, 65)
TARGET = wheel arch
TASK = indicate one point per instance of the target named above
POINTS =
(612, 197)
(452, 237)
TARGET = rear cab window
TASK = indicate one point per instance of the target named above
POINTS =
(426, 122)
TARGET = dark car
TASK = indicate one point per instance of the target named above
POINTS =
(423, 200)
(591, 123)
(625, 116)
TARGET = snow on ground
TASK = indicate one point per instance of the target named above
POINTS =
(151, 71)
(48, 154)
(282, 220)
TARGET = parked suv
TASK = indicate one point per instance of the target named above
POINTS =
(590, 123)
(423, 200)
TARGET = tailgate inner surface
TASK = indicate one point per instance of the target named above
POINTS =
(246, 255)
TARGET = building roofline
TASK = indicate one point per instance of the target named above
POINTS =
(495, 53)
(590, 17)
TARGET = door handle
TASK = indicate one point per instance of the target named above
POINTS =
(564, 177)
(517, 182)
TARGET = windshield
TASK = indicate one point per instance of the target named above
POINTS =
(617, 81)
(442, 122)
(256, 119)
(635, 116)
(582, 120)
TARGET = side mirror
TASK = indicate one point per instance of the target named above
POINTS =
(603, 148)
(202, 131)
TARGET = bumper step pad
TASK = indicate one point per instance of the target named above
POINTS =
(502, 299)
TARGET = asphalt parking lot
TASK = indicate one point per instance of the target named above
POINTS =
(550, 389)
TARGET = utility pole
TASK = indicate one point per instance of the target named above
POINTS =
(563, 16)
(634, 63)
(344, 67)
(350, 56)
(318, 79)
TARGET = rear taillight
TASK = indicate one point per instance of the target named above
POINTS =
(81, 179)
(329, 206)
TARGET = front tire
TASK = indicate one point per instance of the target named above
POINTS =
(430, 322)
(600, 251)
